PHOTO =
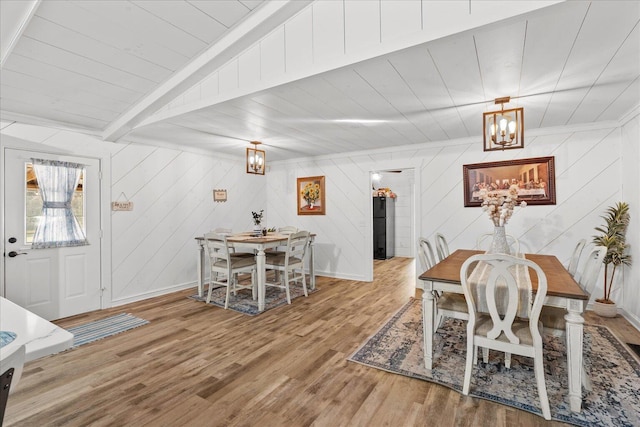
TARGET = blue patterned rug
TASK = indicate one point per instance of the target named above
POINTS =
(93, 331)
(245, 304)
(614, 372)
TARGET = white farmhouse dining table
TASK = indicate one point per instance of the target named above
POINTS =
(562, 291)
(258, 244)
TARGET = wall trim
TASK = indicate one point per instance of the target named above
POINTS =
(156, 293)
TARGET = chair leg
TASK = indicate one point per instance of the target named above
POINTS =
(507, 360)
(235, 282)
(226, 300)
(542, 388)
(209, 293)
(466, 385)
(485, 355)
(286, 286)
(304, 283)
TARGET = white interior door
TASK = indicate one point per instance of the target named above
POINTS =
(51, 282)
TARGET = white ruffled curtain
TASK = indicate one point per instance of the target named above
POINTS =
(58, 226)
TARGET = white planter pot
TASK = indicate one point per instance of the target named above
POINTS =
(605, 310)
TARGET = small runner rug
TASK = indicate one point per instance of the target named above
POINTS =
(244, 303)
(614, 399)
(93, 331)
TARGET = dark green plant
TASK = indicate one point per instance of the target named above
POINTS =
(613, 237)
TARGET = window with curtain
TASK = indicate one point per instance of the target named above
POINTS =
(59, 186)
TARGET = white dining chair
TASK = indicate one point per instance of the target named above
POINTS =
(442, 247)
(225, 266)
(425, 254)
(448, 304)
(289, 262)
(483, 243)
(575, 257)
(505, 329)
(228, 232)
(287, 229)
(553, 317)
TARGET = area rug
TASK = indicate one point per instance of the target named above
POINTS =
(244, 303)
(93, 331)
(614, 399)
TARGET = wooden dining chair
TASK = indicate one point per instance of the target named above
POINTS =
(503, 315)
(289, 263)
(575, 257)
(483, 243)
(442, 247)
(225, 266)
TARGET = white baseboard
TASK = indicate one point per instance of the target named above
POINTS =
(154, 293)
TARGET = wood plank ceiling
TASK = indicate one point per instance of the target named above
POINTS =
(85, 64)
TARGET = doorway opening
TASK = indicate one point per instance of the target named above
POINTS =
(393, 216)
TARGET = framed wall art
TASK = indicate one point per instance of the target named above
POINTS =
(310, 191)
(219, 195)
(534, 177)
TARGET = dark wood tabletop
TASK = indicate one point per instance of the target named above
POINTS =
(559, 282)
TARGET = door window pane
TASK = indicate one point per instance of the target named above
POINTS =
(34, 203)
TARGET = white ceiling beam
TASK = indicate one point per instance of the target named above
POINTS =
(256, 26)
(16, 15)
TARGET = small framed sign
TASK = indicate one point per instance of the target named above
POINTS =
(127, 205)
(122, 206)
(219, 195)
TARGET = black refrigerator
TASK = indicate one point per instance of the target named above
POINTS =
(383, 225)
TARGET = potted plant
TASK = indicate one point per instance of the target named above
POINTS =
(613, 237)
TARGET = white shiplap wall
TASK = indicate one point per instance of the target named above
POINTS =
(153, 246)
(588, 180)
(630, 300)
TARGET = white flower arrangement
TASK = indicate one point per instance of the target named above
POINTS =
(500, 207)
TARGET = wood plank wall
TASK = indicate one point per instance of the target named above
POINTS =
(588, 180)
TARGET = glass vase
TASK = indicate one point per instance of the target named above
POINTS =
(499, 243)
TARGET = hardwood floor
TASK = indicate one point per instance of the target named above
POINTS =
(197, 365)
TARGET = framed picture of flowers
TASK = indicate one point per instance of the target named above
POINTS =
(534, 180)
(311, 195)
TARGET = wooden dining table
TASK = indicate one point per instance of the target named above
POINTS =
(257, 244)
(562, 291)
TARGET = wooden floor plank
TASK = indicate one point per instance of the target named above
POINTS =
(195, 365)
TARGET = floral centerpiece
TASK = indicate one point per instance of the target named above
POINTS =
(500, 205)
(310, 193)
(257, 217)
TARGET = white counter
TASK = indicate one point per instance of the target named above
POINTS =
(40, 337)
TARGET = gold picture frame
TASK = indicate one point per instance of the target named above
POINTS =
(311, 195)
